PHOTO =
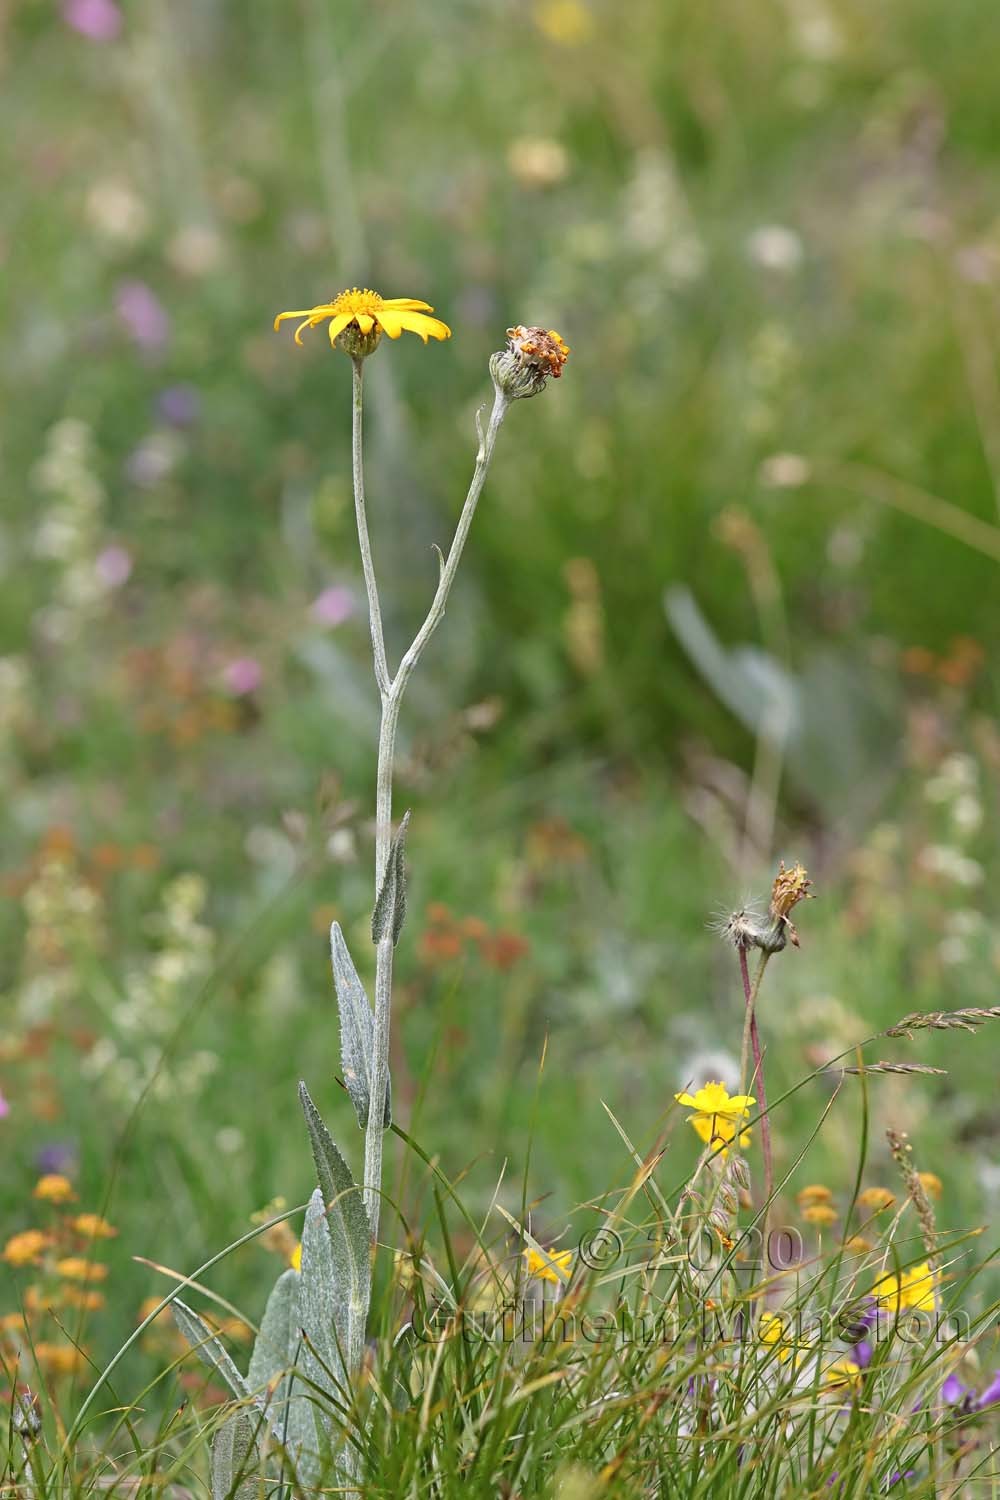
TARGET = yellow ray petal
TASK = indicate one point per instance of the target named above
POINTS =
(419, 323)
(365, 322)
(401, 304)
(338, 324)
(389, 322)
(303, 312)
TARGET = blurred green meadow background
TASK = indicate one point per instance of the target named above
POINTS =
(732, 593)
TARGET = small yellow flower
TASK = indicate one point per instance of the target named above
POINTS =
(25, 1248)
(843, 1375)
(86, 1300)
(555, 1265)
(565, 22)
(772, 1332)
(876, 1198)
(59, 1359)
(820, 1213)
(718, 1117)
(857, 1244)
(371, 315)
(295, 1259)
(814, 1193)
(93, 1227)
(931, 1184)
(54, 1188)
(911, 1289)
(76, 1268)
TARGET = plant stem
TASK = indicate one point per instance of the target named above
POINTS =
(391, 691)
(751, 1040)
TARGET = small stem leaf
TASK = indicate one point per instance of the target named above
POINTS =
(348, 1230)
(322, 1303)
(390, 907)
(356, 1029)
(208, 1348)
(235, 1460)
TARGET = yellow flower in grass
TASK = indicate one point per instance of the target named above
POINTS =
(76, 1268)
(931, 1184)
(718, 1117)
(59, 1359)
(83, 1298)
(913, 1289)
(295, 1259)
(814, 1193)
(772, 1333)
(24, 1249)
(820, 1213)
(876, 1199)
(93, 1227)
(842, 1377)
(359, 317)
(54, 1188)
(555, 1265)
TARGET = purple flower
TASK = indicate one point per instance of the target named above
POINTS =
(57, 1156)
(243, 676)
(899, 1474)
(991, 1394)
(862, 1354)
(333, 606)
(178, 405)
(4, 1106)
(953, 1391)
(114, 566)
(100, 20)
(143, 314)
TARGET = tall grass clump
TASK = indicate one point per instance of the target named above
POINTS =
(674, 1337)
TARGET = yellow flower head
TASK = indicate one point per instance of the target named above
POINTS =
(24, 1249)
(911, 1289)
(59, 1359)
(359, 317)
(876, 1198)
(820, 1213)
(82, 1297)
(555, 1265)
(295, 1259)
(772, 1332)
(76, 1268)
(54, 1188)
(93, 1227)
(841, 1377)
(814, 1193)
(931, 1184)
(718, 1117)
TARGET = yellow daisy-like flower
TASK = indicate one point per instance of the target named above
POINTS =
(718, 1117)
(876, 1198)
(912, 1289)
(93, 1227)
(59, 1359)
(371, 315)
(555, 1265)
(54, 1188)
(772, 1332)
(814, 1193)
(24, 1249)
(931, 1184)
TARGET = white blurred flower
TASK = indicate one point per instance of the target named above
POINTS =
(537, 161)
(784, 471)
(775, 247)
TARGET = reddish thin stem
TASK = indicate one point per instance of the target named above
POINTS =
(758, 1074)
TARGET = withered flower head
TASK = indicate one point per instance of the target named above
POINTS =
(790, 887)
(532, 355)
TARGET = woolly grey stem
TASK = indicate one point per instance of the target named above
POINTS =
(357, 457)
(750, 998)
(392, 694)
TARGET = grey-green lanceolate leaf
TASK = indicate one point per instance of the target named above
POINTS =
(275, 1349)
(235, 1459)
(356, 1029)
(348, 1227)
(390, 906)
(208, 1348)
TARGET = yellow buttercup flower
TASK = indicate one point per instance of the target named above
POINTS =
(718, 1116)
(555, 1265)
(911, 1289)
(370, 315)
(54, 1188)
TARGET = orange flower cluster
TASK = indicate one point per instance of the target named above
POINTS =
(958, 667)
(447, 938)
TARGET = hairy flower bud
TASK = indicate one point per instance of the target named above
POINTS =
(532, 355)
